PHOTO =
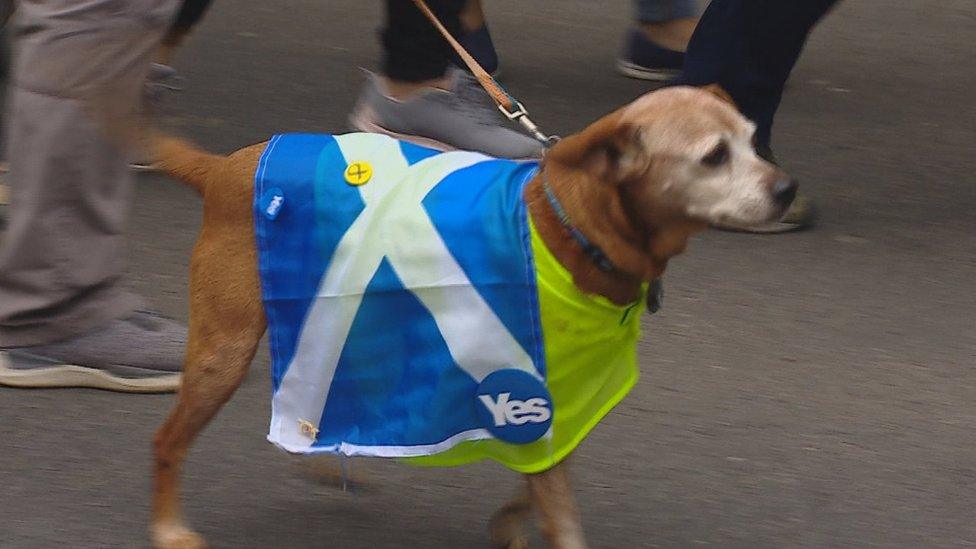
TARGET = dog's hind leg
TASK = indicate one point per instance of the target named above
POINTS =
(552, 496)
(506, 527)
(226, 324)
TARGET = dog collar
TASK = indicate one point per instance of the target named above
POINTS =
(589, 248)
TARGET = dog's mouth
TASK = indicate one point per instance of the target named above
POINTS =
(778, 212)
(752, 219)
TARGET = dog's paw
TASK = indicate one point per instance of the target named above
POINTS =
(506, 533)
(177, 537)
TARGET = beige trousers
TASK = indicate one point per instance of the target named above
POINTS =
(78, 68)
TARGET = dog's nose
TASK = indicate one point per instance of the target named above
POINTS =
(784, 191)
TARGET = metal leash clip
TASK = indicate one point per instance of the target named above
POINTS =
(521, 115)
(492, 88)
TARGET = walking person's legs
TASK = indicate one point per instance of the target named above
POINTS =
(65, 317)
(476, 38)
(420, 95)
(163, 77)
(188, 16)
(749, 48)
(6, 10)
(654, 48)
(414, 53)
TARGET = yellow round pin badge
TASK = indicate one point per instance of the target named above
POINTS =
(358, 173)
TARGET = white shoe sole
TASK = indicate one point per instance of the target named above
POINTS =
(69, 375)
(633, 70)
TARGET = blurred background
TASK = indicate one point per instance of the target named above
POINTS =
(812, 389)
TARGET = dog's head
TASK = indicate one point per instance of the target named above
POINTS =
(684, 153)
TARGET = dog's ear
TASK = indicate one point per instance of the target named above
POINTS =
(622, 157)
(719, 92)
(611, 150)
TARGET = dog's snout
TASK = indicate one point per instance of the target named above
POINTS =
(784, 191)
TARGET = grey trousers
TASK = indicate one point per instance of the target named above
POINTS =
(78, 70)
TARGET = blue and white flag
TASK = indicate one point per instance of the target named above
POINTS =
(396, 279)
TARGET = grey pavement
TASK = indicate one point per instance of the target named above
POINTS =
(804, 390)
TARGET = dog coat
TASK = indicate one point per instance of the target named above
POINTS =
(413, 311)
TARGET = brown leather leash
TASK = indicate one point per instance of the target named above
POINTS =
(514, 110)
(510, 107)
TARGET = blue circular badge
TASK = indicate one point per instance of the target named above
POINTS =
(514, 406)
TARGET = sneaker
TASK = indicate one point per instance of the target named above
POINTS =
(800, 215)
(141, 353)
(645, 60)
(478, 43)
(462, 118)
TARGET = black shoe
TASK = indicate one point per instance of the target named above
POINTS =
(645, 60)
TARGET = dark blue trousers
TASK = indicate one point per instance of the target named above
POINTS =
(749, 48)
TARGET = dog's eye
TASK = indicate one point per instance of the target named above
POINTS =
(717, 156)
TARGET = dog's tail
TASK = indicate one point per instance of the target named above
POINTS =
(182, 160)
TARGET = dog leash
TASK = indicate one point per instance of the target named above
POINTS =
(513, 109)
(510, 107)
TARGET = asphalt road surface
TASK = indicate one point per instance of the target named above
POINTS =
(803, 390)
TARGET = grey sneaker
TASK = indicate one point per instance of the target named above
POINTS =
(463, 118)
(141, 353)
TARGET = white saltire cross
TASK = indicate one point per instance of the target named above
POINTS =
(477, 339)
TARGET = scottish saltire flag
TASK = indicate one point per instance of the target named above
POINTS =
(401, 298)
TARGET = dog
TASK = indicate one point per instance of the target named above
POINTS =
(612, 204)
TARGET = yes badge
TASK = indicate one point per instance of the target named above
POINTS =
(514, 406)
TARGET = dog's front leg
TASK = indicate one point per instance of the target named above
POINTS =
(553, 497)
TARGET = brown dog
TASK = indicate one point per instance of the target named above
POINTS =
(637, 183)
